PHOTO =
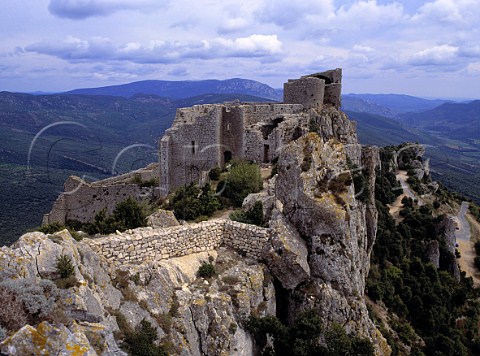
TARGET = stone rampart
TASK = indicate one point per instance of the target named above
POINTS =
(148, 244)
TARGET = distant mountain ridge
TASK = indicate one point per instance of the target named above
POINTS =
(83, 136)
(186, 89)
(388, 105)
(456, 120)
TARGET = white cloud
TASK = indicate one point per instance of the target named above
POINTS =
(367, 15)
(435, 56)
(234, 25)
(103, 49)
(287, 13)
(459, 13)
(364, 49)
(474, 68)
(317, 17)
(81, 9)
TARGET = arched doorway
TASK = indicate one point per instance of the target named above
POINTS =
(227, 157)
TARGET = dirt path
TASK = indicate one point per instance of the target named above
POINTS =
(397, 205)
(466, 235)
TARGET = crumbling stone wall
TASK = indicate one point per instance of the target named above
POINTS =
(205, 136)
(307, 91)
(190, 146)
(147, 244)
(81, 201)
(333, 86)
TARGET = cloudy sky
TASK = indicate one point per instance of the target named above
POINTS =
(425, 48)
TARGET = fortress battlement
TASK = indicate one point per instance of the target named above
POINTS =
(210, 135)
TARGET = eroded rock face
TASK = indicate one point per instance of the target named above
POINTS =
(196, 315)
(317, 196)
(47, 339)
(286, 253)
(162, 218)
(447, 227)
(211, 312)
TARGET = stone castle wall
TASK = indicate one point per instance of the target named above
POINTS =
(190, 146)
(307, 91)
(81, 201)
(147, 244)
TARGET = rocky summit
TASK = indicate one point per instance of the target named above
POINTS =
(199, 288)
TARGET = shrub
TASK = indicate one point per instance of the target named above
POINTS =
(64, 266)
(12, 314)
(302, 338)
(252, 216)
(313, 126)
(206, 270)
(51, 228)
(31, 302)
(141, 342)
(128, 214)
(243, 178)
(191, 202)
(477, 247)
(477, 262)
(214, 173)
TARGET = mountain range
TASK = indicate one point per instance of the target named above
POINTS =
(46, 138)
(186, 89)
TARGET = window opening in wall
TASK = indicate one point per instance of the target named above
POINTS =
(193, 147)
(266, 153)
(228, 127)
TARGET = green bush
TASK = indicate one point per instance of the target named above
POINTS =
(51, 228)
(477, 262)
(214, 173)
(206, 270)
(252, 216)
(191, 202)
(242, 179)
(302, 338)
(128, 214)
(477, 247)
(427, 300)
(65, 267)
(141, 342)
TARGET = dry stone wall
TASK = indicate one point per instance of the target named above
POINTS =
(148, 244)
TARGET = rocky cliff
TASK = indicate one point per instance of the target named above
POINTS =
(322, 227)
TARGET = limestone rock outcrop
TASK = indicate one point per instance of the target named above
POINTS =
(195, 315)
(46, 339)
(162, 218)
(317, 196)
(286, 254)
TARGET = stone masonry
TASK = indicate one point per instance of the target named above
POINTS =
(81, 200)
(205, 136)
(148, 244)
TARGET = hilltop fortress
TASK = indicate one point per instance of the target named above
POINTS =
(206, 136)
(316, 247)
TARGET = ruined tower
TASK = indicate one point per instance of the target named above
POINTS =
(206, 136)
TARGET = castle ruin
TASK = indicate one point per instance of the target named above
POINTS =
(207, 136)
(203, 137)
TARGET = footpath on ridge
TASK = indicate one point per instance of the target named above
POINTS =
(397, 205)
(465, 243)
